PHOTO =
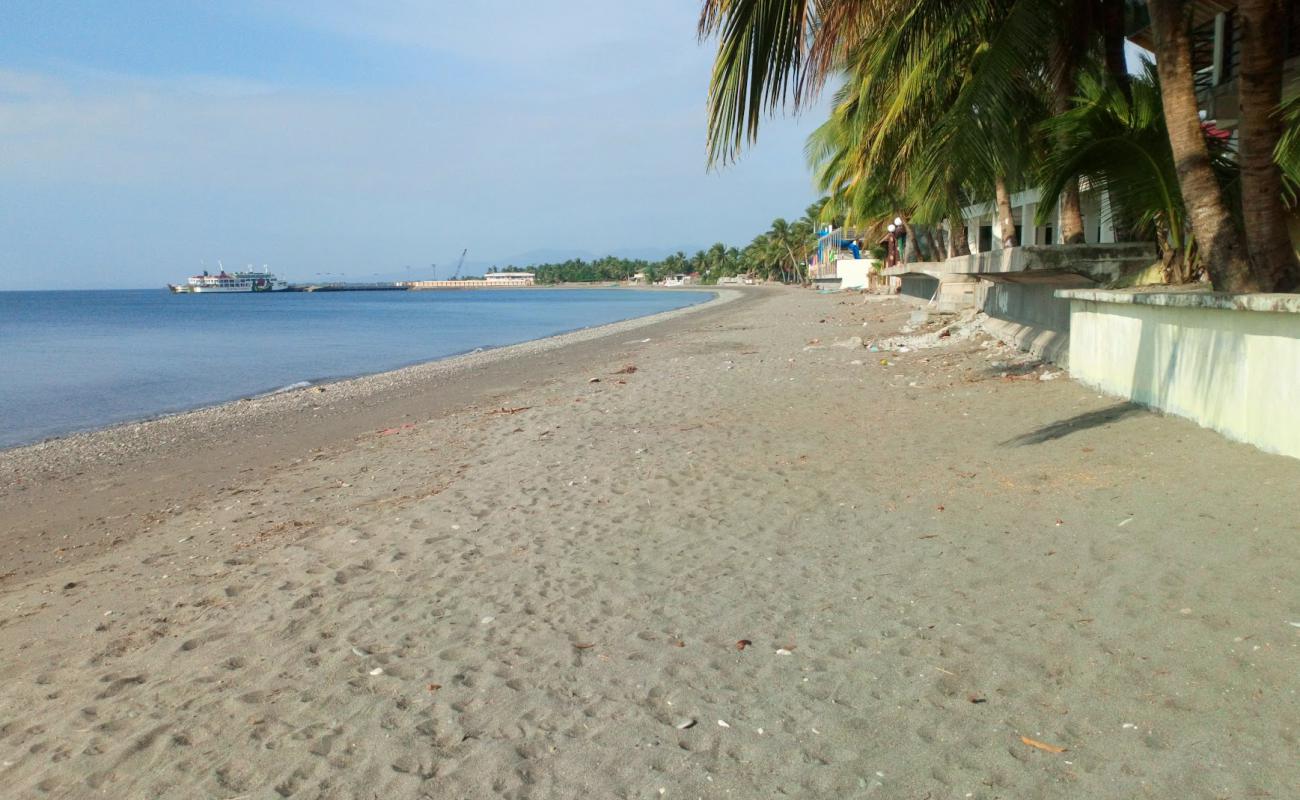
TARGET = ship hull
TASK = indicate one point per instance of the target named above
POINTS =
(248, 289)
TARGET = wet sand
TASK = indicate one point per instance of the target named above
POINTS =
(748, 567)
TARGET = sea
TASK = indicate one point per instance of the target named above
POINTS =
(79, 360)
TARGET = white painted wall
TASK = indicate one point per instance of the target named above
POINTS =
(854, 272)
(1234, 370)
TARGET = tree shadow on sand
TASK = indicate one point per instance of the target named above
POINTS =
(1081, 422)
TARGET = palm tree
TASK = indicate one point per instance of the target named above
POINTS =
(1211, 221)
(1116, 139)
(1269, 246)
(997, 52)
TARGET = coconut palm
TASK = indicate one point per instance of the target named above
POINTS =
(1272, 255)
(1117, 140)
(998, 51)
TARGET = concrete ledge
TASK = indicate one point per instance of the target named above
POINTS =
(1267, 303)
(1044, 343)
(1228, 362)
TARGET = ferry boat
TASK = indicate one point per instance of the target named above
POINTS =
(230, 282)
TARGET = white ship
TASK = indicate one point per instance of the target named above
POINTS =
(230, 282)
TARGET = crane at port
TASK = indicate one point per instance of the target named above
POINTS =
(460, 263)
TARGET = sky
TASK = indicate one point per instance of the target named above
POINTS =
(140, 139)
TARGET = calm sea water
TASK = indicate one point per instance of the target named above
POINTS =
(72, 361)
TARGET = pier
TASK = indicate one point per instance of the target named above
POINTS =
(348, 287)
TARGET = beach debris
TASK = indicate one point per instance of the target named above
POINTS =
(433, 687)
(1125, 522)
(722, 723)
(784, 651)
(679, 643)
(852, 343)
(1050, 376)
(741, 644)
(510, 410)
(377, 671)
(683, 724)
(1044, 746)
(399, 429)
(1294, 624)
(583, 645)
(360, 653)
(486, 620)
(627, 369)
(977, 699)
(593, 380)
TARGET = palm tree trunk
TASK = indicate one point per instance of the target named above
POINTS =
(1217, 240)
(915, 242)
(1268, 241)
(1112, 34)
(1006, 218)
(1063, 87)
(958, 245)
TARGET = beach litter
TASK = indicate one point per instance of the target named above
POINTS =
(682, 725)
(583, 645)
(741, 644)
(377, 671)
(628, 369)
(1044, 746)
(723, 724)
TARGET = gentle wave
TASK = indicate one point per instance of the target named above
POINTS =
(293, 387)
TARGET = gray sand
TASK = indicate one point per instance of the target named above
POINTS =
(540, 590)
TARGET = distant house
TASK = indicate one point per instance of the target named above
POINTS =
(678, 280)
(638, 278)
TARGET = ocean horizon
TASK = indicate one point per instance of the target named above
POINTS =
(79, 360)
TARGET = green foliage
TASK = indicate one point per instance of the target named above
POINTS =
(1288, 151)
(781, 253)
(1117, 141)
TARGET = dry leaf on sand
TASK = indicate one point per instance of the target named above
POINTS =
(1051, 748)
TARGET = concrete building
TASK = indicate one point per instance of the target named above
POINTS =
(510, 278)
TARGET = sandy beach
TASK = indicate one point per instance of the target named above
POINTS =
(724, 553)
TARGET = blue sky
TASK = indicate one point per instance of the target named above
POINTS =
(139, 137)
